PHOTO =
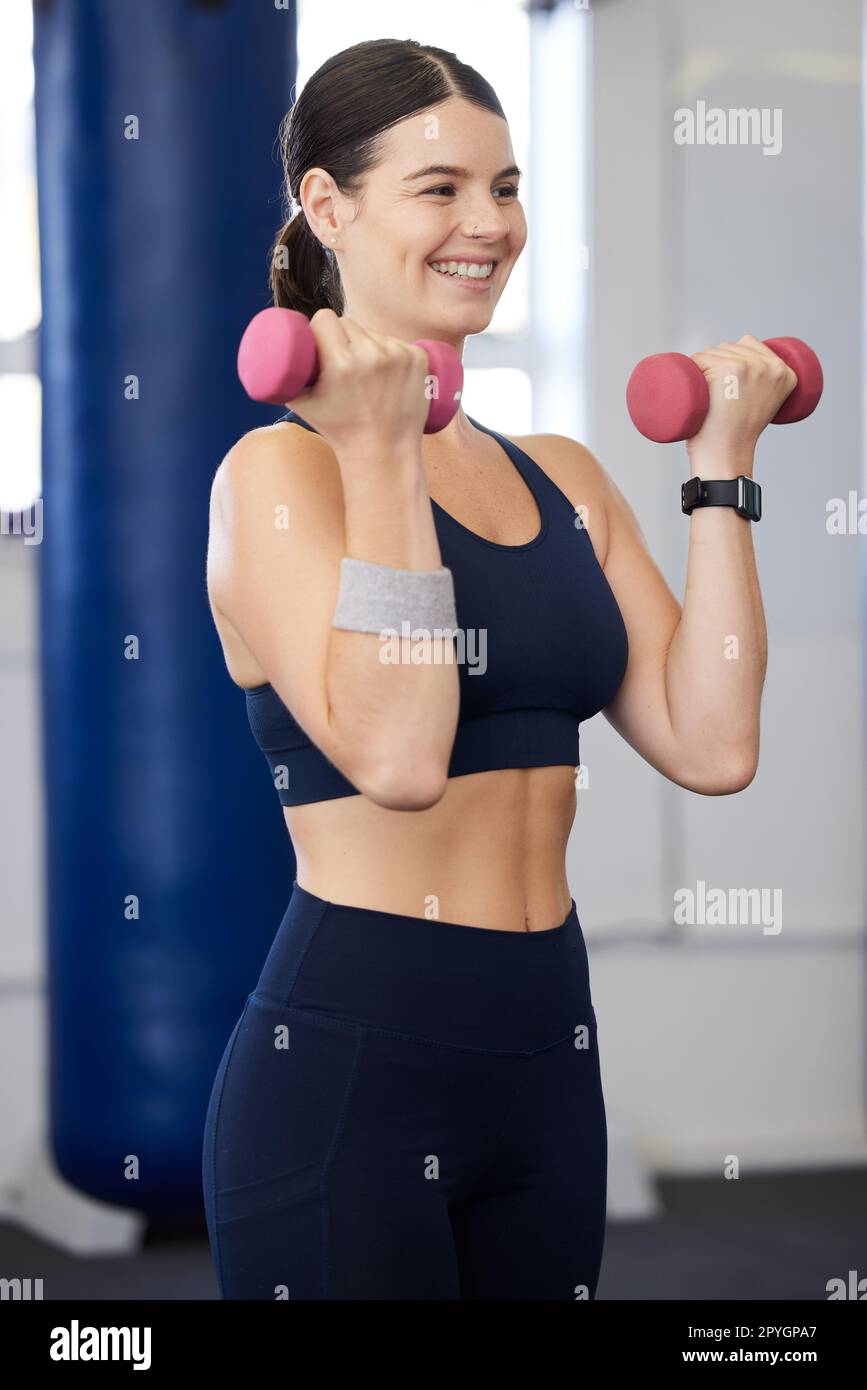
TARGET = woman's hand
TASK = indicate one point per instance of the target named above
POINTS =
(370, 392)
(748, 384)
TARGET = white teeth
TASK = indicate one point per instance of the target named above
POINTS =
(467, 270)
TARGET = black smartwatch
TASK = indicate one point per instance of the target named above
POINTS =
(742, 493)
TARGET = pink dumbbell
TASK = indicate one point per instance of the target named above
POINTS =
(668, 397)
(277, 360)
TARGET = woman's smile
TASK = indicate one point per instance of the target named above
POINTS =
(469, 274)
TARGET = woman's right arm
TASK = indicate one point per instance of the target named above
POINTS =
(284, 510)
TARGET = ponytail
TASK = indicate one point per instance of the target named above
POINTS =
(303, 274)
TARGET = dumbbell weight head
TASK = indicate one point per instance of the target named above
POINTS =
(277, 360)
(446, 382)
(667, 397)
(803, 398)
(277, 356)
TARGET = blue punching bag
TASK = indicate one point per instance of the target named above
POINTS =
(168, 863)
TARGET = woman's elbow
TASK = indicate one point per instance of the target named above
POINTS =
(407, 786)
(740, 775)
(734, 775)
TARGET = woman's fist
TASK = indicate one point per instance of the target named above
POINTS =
(748, 384)
(371, 390)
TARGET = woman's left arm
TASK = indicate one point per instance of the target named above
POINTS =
(689, 702)
(690, 699)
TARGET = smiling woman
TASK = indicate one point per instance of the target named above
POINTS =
(493, 361)
(504, 373)
(431, 934)
(404, 206)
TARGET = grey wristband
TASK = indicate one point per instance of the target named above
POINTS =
(378, 598)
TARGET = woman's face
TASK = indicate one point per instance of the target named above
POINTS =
(407, 219)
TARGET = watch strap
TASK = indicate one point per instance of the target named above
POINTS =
(742, 493)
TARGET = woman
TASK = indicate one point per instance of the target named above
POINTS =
(410, 1103)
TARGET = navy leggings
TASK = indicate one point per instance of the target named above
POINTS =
(409, 1109)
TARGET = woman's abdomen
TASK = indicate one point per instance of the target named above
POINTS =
(490, 853)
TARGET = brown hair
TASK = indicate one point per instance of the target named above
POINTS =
(337, 123)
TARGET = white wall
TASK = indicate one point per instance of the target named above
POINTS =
(22, 1040)
(728, 1040)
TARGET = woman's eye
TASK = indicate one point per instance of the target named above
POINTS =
(509, 188)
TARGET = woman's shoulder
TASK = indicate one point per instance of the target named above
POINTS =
(275, 469)
(284, 446)
(559, 450)
(275, 518)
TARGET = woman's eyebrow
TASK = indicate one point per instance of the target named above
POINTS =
(455, 172)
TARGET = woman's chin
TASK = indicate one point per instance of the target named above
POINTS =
(476, 311)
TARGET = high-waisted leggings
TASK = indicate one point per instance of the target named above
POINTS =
(409, 1109)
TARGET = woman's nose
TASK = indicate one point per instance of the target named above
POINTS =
(486, 222)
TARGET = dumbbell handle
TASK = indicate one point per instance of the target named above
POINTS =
(277, 360)
(668, 397)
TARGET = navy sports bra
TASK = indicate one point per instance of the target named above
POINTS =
(544, 647)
